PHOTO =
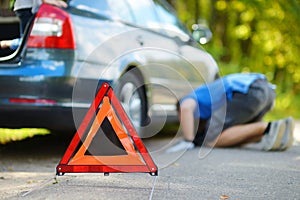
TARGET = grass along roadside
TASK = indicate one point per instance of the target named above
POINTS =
(10, 135)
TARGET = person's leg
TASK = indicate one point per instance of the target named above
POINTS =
(268, 134)
(24, 16)
(240, 134)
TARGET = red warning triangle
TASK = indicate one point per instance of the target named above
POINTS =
(106, 141)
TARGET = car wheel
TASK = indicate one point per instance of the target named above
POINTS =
(131, 94)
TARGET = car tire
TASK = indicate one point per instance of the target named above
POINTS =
(130, 91)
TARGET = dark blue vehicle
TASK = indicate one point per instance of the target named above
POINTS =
(138, 46)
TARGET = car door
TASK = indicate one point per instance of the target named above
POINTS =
(196, 65)
(161, 55)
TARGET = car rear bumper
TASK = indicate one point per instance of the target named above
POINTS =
(56, 118)
(47, 102)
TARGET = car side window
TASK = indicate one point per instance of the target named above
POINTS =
(121, 10)
(117, 9)
(144, 13)
(99, 7)
(168, 18)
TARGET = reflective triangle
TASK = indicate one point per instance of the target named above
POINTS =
(131, 158)
(106, 141)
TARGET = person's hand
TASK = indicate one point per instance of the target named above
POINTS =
(4, 44)
(59, 3)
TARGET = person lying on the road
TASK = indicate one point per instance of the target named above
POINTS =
(233, 107)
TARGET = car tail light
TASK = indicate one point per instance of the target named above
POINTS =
(52, 28)
(32, 101)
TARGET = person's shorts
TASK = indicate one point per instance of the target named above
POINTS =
(242, 109)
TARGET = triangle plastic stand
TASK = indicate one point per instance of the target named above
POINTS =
(106, 141)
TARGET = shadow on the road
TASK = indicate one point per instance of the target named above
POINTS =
(37, 146)
(55, 144)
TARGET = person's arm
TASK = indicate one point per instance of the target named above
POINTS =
(186, 117)
(12, 44)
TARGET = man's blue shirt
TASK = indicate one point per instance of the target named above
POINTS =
(212, 96)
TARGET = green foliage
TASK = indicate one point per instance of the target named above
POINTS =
(254, 36)
(9, 135)
(12, 4)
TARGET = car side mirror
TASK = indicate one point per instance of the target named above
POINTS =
(201, 33)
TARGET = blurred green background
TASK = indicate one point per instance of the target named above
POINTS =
(253, 36)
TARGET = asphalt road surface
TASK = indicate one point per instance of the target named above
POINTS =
(27, 171)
